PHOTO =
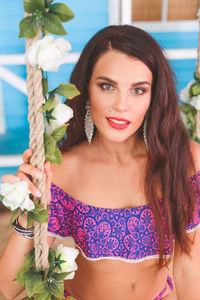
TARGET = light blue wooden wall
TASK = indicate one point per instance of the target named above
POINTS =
(90, 16)
(183, 69)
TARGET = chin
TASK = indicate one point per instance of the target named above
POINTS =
(118, 137)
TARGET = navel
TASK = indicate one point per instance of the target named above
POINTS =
(133, 285)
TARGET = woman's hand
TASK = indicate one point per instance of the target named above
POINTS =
(26, 170)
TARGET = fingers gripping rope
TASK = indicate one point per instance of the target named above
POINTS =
(36, 142)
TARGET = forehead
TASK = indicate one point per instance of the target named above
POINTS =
(118, 66)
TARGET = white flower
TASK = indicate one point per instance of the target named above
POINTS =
(16, 195)
(195, 102)
(68, 254)
(61, 114)
(184, 94)
(47, 53)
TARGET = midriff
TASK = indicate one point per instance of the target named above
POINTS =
(114, 279)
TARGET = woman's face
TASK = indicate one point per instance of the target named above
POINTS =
(120, 94)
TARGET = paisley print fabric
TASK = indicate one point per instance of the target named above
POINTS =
(195, 220)
(128, 234)
(162, 293)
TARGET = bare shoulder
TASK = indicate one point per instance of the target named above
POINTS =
(195, 148)
(70, 166)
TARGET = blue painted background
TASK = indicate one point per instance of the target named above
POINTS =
(90, 16)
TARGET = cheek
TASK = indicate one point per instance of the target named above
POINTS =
(98, 104)
(140, 107)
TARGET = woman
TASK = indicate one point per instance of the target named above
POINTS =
(128, 192)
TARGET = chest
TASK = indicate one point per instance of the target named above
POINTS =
(109, 186)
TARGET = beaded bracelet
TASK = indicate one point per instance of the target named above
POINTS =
(27, 233)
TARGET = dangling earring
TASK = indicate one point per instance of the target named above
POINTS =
(145, 133)
(89, 124)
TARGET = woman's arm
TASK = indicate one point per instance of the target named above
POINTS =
(18, 246)
(187, 270)
(12, 260)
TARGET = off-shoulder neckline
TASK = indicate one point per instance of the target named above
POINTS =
(114, 209)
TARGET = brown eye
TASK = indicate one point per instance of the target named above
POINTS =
(107, 87)
(138, 91)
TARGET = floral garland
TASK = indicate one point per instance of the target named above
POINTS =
(190, 97)
(190, 106)
(47, 54)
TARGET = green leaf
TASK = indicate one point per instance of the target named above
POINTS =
(53, 24)
(59, 133)
(30, 6)
(38, 209)
(20, 276)
(29, 260)
(62, 11)
(56, 288)
(29, 27)
(29, 220)
(44, 86)
(50, 287)
(60, 276)
(191, 118)
(186, 107)
(195, 89)
(50, 103)
(68, 90)
(50, 148)
(39, 214)
(43, 296)
(41, 288)
(47, 138)
(57, 158)
(51, 257)
(15, 212)
(32, 279)
(40, 218)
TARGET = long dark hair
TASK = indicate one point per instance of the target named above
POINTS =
(170, 160)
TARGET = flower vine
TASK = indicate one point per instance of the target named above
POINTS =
(190, 97)
(190, 107)
(46, 54)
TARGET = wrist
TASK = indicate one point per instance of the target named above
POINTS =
(23, 231)
(22, 221)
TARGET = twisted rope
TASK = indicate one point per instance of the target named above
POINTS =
(36, 143)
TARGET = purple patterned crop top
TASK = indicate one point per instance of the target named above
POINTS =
(128, 234)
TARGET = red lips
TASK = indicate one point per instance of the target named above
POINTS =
(118, 125)
(119, 119)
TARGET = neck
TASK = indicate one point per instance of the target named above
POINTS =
(119, 152)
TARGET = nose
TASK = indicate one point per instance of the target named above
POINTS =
(121, 102)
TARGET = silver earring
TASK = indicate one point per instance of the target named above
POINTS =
(89, 124)
(145, 133)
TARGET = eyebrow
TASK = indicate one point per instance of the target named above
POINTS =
(114, 82)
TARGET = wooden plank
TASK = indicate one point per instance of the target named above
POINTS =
(146, 10)
(182, 9)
